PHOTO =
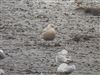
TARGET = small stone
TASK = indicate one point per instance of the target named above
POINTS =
(2, 54)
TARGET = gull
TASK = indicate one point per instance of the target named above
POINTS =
(63, 57)
(65, 68)
(49, 33)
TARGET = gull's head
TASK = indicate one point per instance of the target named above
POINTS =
(63, 52)
(51, 26)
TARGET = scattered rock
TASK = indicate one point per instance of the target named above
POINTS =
(2, 54)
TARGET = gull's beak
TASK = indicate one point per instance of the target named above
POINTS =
(70, 61)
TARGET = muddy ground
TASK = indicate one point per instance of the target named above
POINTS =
(21, 23)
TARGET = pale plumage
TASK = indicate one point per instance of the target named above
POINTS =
(63, 57)
(65, 68)
(63, 52)
(49, 33)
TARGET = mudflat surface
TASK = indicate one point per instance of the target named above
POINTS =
(21, 23)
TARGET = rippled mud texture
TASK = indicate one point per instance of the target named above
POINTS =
(21, 23)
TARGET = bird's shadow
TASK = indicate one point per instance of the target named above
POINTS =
(49, 45)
